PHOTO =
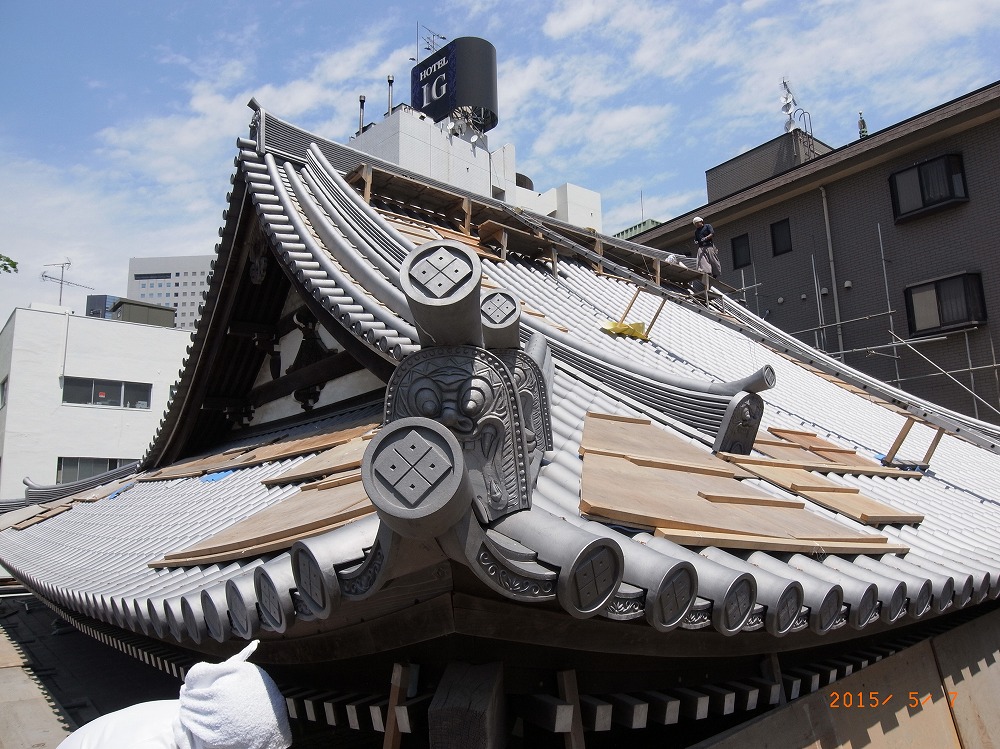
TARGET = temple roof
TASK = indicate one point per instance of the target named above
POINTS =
(848, 504)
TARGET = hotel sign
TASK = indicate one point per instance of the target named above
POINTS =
(460, 75)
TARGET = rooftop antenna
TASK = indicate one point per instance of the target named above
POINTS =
(431, 38)
(793, 111)
(62, 278)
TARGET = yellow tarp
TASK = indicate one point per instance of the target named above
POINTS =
(631, 329)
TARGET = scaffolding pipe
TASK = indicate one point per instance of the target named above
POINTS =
(888, 299)
(833, 271)
(985, 403)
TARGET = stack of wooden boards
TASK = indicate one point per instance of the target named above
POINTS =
(641, 476)
(330, 493)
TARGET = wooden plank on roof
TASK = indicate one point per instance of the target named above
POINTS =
(862, 508)
(615, 489)
(305, 513)
(846, 500)
(196, 467)
(100, 492)
(637, 438)
(826, 450)
(795, 479)
(787, 452)
(38, 518)
(775, 543)
(289, 448)
(844, 457)
(12, 517)
(345, 456)
(743, 499)
(748, 461)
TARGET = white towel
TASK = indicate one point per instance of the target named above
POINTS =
(231, 705)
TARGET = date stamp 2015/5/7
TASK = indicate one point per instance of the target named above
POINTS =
(868, 700)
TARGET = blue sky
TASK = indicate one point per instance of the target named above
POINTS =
(119, 119)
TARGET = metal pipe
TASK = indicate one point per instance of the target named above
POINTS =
(389, 79)
(888, 299)
(985, 403)
(972, 376)
(833, 271)
(361, 114)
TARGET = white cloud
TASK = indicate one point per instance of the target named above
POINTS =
(57, 215)
(573, 16)
(631, 210)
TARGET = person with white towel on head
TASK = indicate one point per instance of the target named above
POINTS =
(228, 705)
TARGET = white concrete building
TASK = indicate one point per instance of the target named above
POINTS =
(79, 395)
(176, 282)
(452, 153)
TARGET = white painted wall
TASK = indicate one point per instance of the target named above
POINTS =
(419, 145)
(40, 346)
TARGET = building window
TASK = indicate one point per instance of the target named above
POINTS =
(945, 304)
(781, 237)
(741, 251)
(3, 392)
(930, 185)
(76, 469)
(90, 392)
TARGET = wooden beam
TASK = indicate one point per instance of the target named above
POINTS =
(907, 426)
(694, 705)
(318, 373)
(721, 700)
(629, 711)
(224, 404)
(595, 713)
(769, 691)
(659, 309)
(747, 695)
(239, 329)
(793, 687)
(545, 711)
(295, 702)
(399, 682)
(411, 715)
(569, 693)
(379, 713)
(933, 446)
(663, 709)
(810, 679)
(358, 716)
(466, 216)
(467, 709)
(334, 708)
(628, 308)
(313, 706)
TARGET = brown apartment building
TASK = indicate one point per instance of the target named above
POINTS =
(894, 234)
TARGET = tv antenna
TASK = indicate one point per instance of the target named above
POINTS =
(62, 278)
